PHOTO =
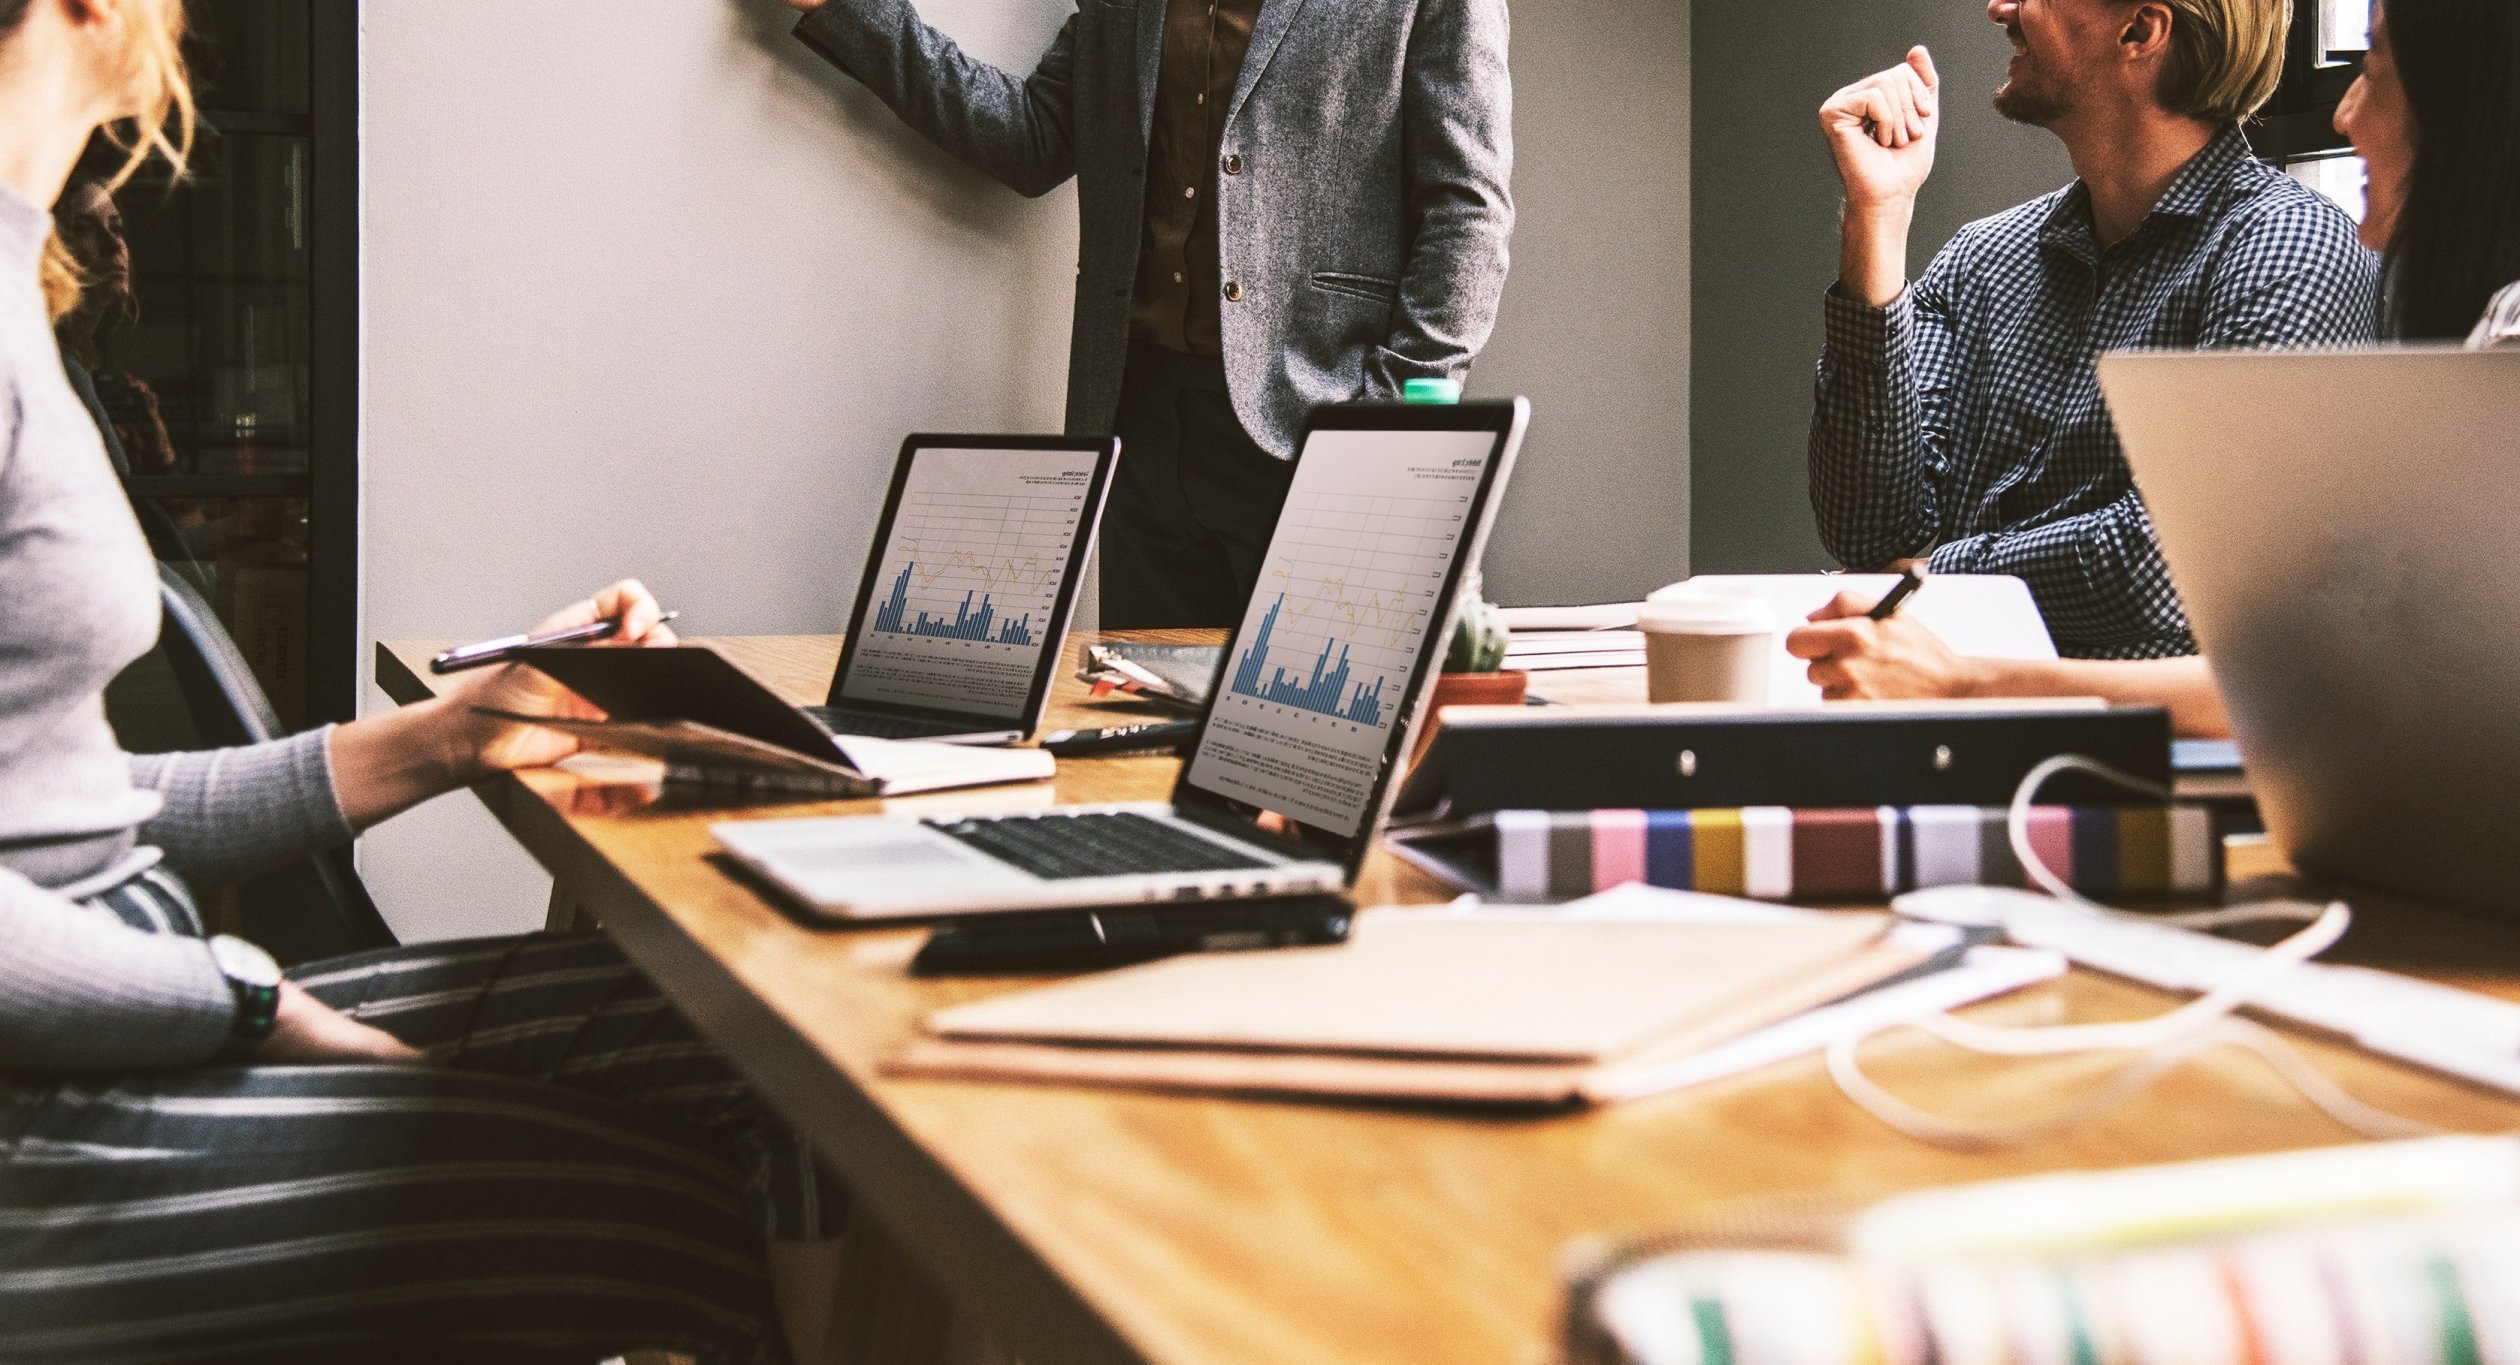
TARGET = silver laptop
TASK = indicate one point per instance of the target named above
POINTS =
(963, 607)
(2344, 528)
(1315, 701)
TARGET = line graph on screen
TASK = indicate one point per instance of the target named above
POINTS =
(1351, 585)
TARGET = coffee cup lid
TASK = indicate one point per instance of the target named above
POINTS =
(1707, 608)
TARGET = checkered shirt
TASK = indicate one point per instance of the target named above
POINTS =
(1965, 419)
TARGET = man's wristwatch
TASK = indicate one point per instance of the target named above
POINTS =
(255, 978)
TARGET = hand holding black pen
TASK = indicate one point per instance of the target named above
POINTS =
(506, 647)
(624, 615)
(1857, 649)
(1911, 577)
(396, 759)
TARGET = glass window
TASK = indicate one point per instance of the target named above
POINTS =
(2344, 26)
(2338, 177)
(203, 366)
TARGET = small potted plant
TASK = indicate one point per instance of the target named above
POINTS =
(1474, 668)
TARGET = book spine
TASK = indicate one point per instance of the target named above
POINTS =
(754, 782)
(1776, 853)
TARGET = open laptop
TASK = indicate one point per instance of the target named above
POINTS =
(962, 612)
(961, 615)
(1315, 702)
(2341, 526)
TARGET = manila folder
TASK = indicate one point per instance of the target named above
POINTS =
(1418, 1005)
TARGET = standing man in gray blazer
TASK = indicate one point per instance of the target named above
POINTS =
(1285, 203)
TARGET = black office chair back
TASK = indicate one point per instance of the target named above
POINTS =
(226, 701)
(318, 908)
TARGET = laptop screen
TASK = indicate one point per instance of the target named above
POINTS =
(1351, 618)
(967, 594)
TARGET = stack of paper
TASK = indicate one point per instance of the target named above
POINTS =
(1604, 616)
(1553, 639)
(1562, 649)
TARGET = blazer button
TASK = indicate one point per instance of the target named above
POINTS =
(1233, 293)
(1233, 165)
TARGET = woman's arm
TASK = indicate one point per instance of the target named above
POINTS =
(1852, 656)
(231, 813)
(82, 991)
(384, 765)
(228, 814)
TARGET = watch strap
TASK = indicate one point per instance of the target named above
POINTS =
(257, 991)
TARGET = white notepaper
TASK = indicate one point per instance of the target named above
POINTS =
(1988, 616)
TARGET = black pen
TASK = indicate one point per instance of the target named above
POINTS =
(500, 650)
(1911, 578)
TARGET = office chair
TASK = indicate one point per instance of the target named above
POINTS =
(318, 908)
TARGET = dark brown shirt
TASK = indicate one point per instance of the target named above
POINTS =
(1179, 289)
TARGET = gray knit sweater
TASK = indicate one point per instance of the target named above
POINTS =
(79, 991)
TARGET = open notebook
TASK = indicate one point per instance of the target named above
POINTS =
(860, 766)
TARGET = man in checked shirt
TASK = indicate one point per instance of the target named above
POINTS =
(1959, 417)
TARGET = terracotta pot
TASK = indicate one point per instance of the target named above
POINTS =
(1505, 688)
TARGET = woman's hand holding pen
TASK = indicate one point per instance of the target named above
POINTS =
(487, 745)
(388, 763)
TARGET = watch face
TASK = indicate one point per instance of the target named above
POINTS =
(244, 963)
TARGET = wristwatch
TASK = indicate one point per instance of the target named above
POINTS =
(255, 978)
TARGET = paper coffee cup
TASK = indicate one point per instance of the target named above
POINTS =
(1707, 643)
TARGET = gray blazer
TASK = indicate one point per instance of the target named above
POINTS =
(1361, 201)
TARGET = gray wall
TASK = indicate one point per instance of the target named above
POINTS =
(651, 291)
(1595, 326)
(648, 291)
(1766, 242)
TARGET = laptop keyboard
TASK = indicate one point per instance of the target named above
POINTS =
(1098, 844)
(873, 726)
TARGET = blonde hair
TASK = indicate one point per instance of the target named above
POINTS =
(2226, 57)
(162, 124)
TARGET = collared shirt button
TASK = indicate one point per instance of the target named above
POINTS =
(1233, 292)
(1199, 98)
(1233, 165)
(1177, 278)
(1189, 191)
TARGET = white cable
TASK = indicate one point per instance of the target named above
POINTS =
(2017, 820)
(2048, 1040)
(2130, 1080)
(2165, 1040)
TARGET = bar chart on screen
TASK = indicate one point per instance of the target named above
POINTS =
(971, 574)
(1322, 693)
(1350, 589)
(1356, 576)
(983, 624)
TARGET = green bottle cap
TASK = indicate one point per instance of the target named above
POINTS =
(1431, 391)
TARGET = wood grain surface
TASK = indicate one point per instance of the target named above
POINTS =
(1094, 1226)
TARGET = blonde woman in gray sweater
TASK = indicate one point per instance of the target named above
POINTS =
(485, 1151)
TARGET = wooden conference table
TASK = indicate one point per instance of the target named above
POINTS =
(1096, 1226)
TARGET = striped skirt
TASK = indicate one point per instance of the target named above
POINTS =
(576, 1174)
